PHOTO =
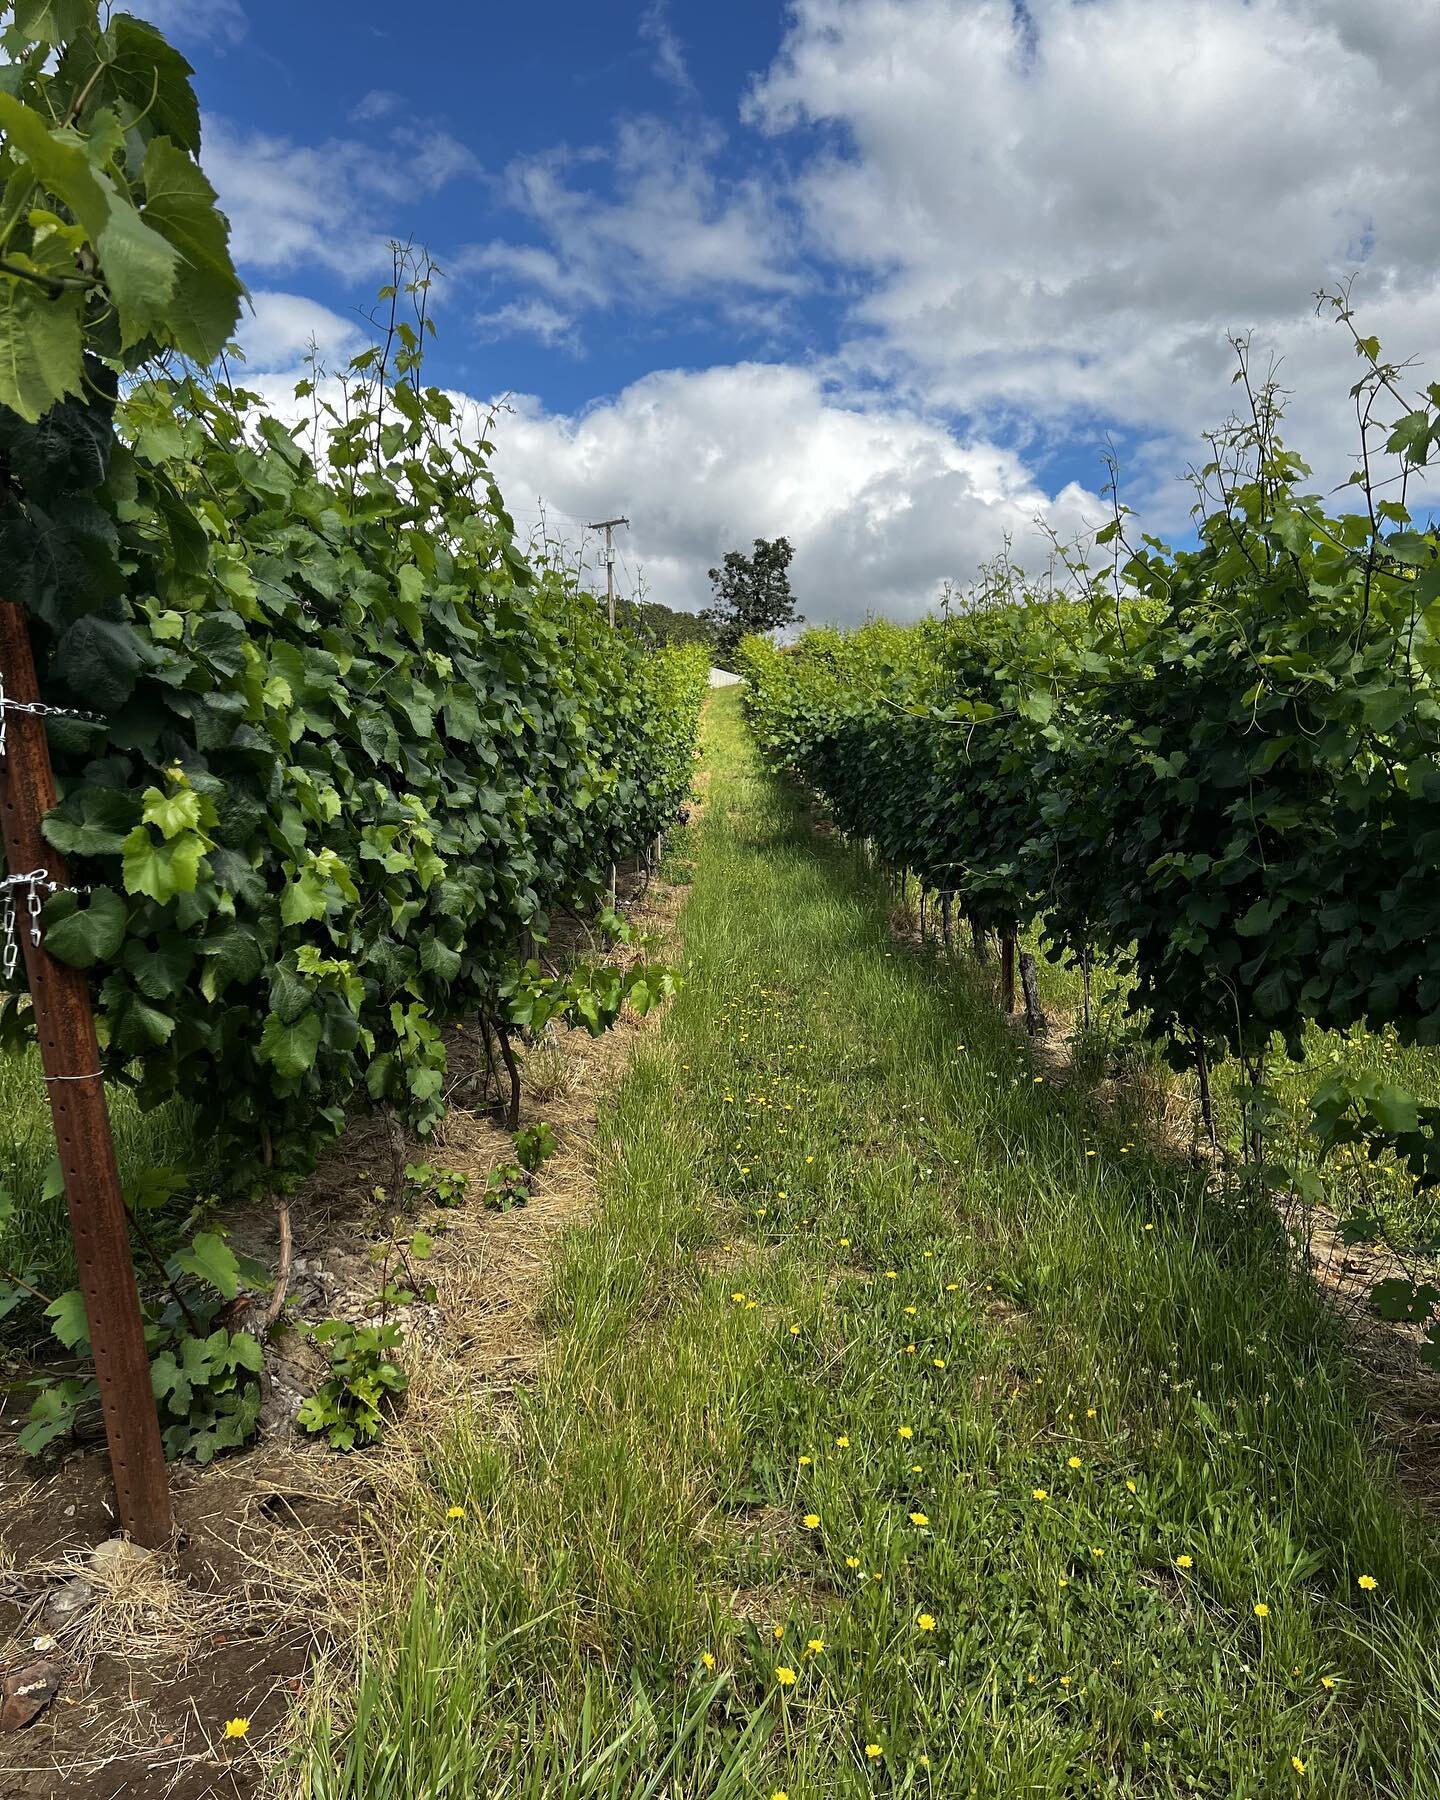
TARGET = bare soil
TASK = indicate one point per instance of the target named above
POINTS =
(272, 1544)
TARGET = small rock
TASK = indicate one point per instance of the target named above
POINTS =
(116, 1553)
(69, 1512)
(26, 1693)
(46, 1643)
(68, 1602)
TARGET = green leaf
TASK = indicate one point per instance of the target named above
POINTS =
(161, 870)
(211, 1260)
(52, 21)
(291, 1048)
(40, 339)
(67, 1320)
(181, 205)
(83, 935)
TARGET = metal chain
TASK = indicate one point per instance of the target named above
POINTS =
(38, 709)
(34, 881)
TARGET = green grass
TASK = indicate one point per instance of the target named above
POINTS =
(837, 1205)
(36, 1242)
(1381, 1190)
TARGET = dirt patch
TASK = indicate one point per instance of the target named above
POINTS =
(155, 1655)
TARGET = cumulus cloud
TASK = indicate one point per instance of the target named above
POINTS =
(883, 505)
(279, 329)
(1064, 206)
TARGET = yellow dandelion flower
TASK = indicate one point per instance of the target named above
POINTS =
(1064, 1581)
(844, 1243)
(237, 1728)
(1064, 1681)
(1327, 1682)
(1039, 1494)
(786, 1677)
(873, 1750)
(779, 1794)
(1158, 1714)
(707, 1659)
(905, 1432)
(804, 1462)
(810, 1521)
(1130, 1488)
(910, 1349)
(937, 1362)
(794, 1331)
(1089, 1412)
(1095, 1550)
(782, 1195)
(842, 1443)
(814, 1646)
(919, 1518)
(911, 1311)
(852, 1562)
(1184, 1562)
(738, 1296)
(1369, 1583)
(926, 1622)
(1073, 1462)
(890, 1275)
(1262, 1611)
(455, 1512)
(1297, 1764)
(952, 1287)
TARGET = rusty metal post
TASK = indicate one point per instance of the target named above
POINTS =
(70, 1055)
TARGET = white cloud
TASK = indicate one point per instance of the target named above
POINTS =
(657, 31)
(332, 205)
(281, 328)
(646, 220)
(182, 19)
(1065, 207)
(883, 506)
(530, 318)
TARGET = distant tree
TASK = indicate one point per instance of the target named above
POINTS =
(752, 593)
(656, 625)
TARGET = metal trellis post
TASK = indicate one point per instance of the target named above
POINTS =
(70, 1056)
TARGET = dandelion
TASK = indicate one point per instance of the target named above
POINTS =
(919, 1518)
(810, 1521)
(1297, 1764)
(1327, 1682)
(794, 1331)
(926, 1622)
(1184, 1562)
(237, 1728)
(910, 1349)
(1064, 1681)
(1095, 1550)
(1130, 1488)
(842, 1443)
(938, 1362)
(738, 1296)
(844, 1243)
(455, 1512)
(1262, 1611)
(1158, 1714)
(1073, 1462)
(873, 1750)
(890, 1275)
(1039, 1494)
(1064, 1581)
(1089, 1412)
(952, 1287)
(1369, 1583)
(905, 1432)
(852, 1562)
(707, 1659)
(804, 1462)
(779, 1633)
(814, 1646)
(786, 1677)
(779, 1794)
(782, 1195)
(910, 1311)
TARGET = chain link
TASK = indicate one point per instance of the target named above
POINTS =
(37, 709)
(10, 947)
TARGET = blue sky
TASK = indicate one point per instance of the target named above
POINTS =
(886, 275)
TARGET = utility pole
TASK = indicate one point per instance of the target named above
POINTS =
(608, 527)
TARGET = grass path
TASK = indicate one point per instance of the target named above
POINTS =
(901, 1432)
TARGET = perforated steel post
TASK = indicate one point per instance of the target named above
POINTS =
(70, 1055)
